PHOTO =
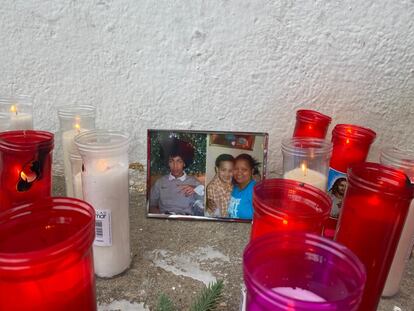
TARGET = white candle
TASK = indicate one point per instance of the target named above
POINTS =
(68, 146)
(20, 120)
(77, 186)
(401, 256)
(298, 293)
(308, 176)
(105, 187)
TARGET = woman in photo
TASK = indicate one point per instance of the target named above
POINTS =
(241, 201)
(220, 187)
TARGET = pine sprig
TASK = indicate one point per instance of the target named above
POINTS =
(165, 303)
(209, 298)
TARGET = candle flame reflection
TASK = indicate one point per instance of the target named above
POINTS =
(284, 221)
(101, 165)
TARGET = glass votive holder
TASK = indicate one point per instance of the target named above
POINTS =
(351, 144)
(25, 166)
(299, 271)
(73, 120)
(311, 123)
(19, 110)
(307, 160)
(373, 213)
(46, 256)
(4, 122)
(76, 167)
(106, 187)
(288, 205)
(403, 160)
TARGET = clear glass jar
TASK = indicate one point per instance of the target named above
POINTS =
(301, 272)
(106, 187)
(19, 111)
(402, 160)
(73, 120)
(25, 166)
(46, 256)
(307, 160)
(374, 210)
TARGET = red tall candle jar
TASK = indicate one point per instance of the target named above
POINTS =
(25, 167)
(310, 123)
(46, 260)
(351, 145)
(373, 214)
(288, 205)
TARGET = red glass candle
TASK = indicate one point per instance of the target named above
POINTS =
(288, 205)
(373, 214)
(310, 123)
(351, 145)
(46, 260)
(25, 167)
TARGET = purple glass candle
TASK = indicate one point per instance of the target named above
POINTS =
(299, 271)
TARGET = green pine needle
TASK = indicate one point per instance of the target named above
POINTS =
(209, 298)
(165, 303)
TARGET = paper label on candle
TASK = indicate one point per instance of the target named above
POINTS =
(103, 229)
(337, 183)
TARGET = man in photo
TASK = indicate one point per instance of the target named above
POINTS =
(337, 193)
(177, 193)
(220, 187)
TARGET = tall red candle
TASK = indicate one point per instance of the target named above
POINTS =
(46, 260)
(288, 205)
(373, 214)
(351, 145)
(25, 167)
(310, 123)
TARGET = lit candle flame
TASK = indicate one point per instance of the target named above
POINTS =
(77, 127)
(284, 221)
(13, 109)
(304, 169)
(347, 140)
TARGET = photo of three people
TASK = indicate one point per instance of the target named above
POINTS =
(204, 174)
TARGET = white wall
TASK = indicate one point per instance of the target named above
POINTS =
(214, 65)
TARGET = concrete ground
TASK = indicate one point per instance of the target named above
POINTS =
(179, 258)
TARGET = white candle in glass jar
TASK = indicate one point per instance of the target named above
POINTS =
(307, 176)
(68, 146)
(20, 120)
(105, 187)
(402, 254)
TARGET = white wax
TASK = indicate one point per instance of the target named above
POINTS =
(311, 177)
(68, 146)
(21, 121)
(401, 256)
(107, 189)
(298, 293)
(77, 186)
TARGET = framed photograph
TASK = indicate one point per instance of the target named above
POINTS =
(204, 174)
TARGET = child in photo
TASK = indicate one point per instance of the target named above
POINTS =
(220, 188)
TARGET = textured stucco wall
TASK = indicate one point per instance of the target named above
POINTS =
(228, 65)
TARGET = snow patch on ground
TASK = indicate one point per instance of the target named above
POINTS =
(188, 263)
(122, 305)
